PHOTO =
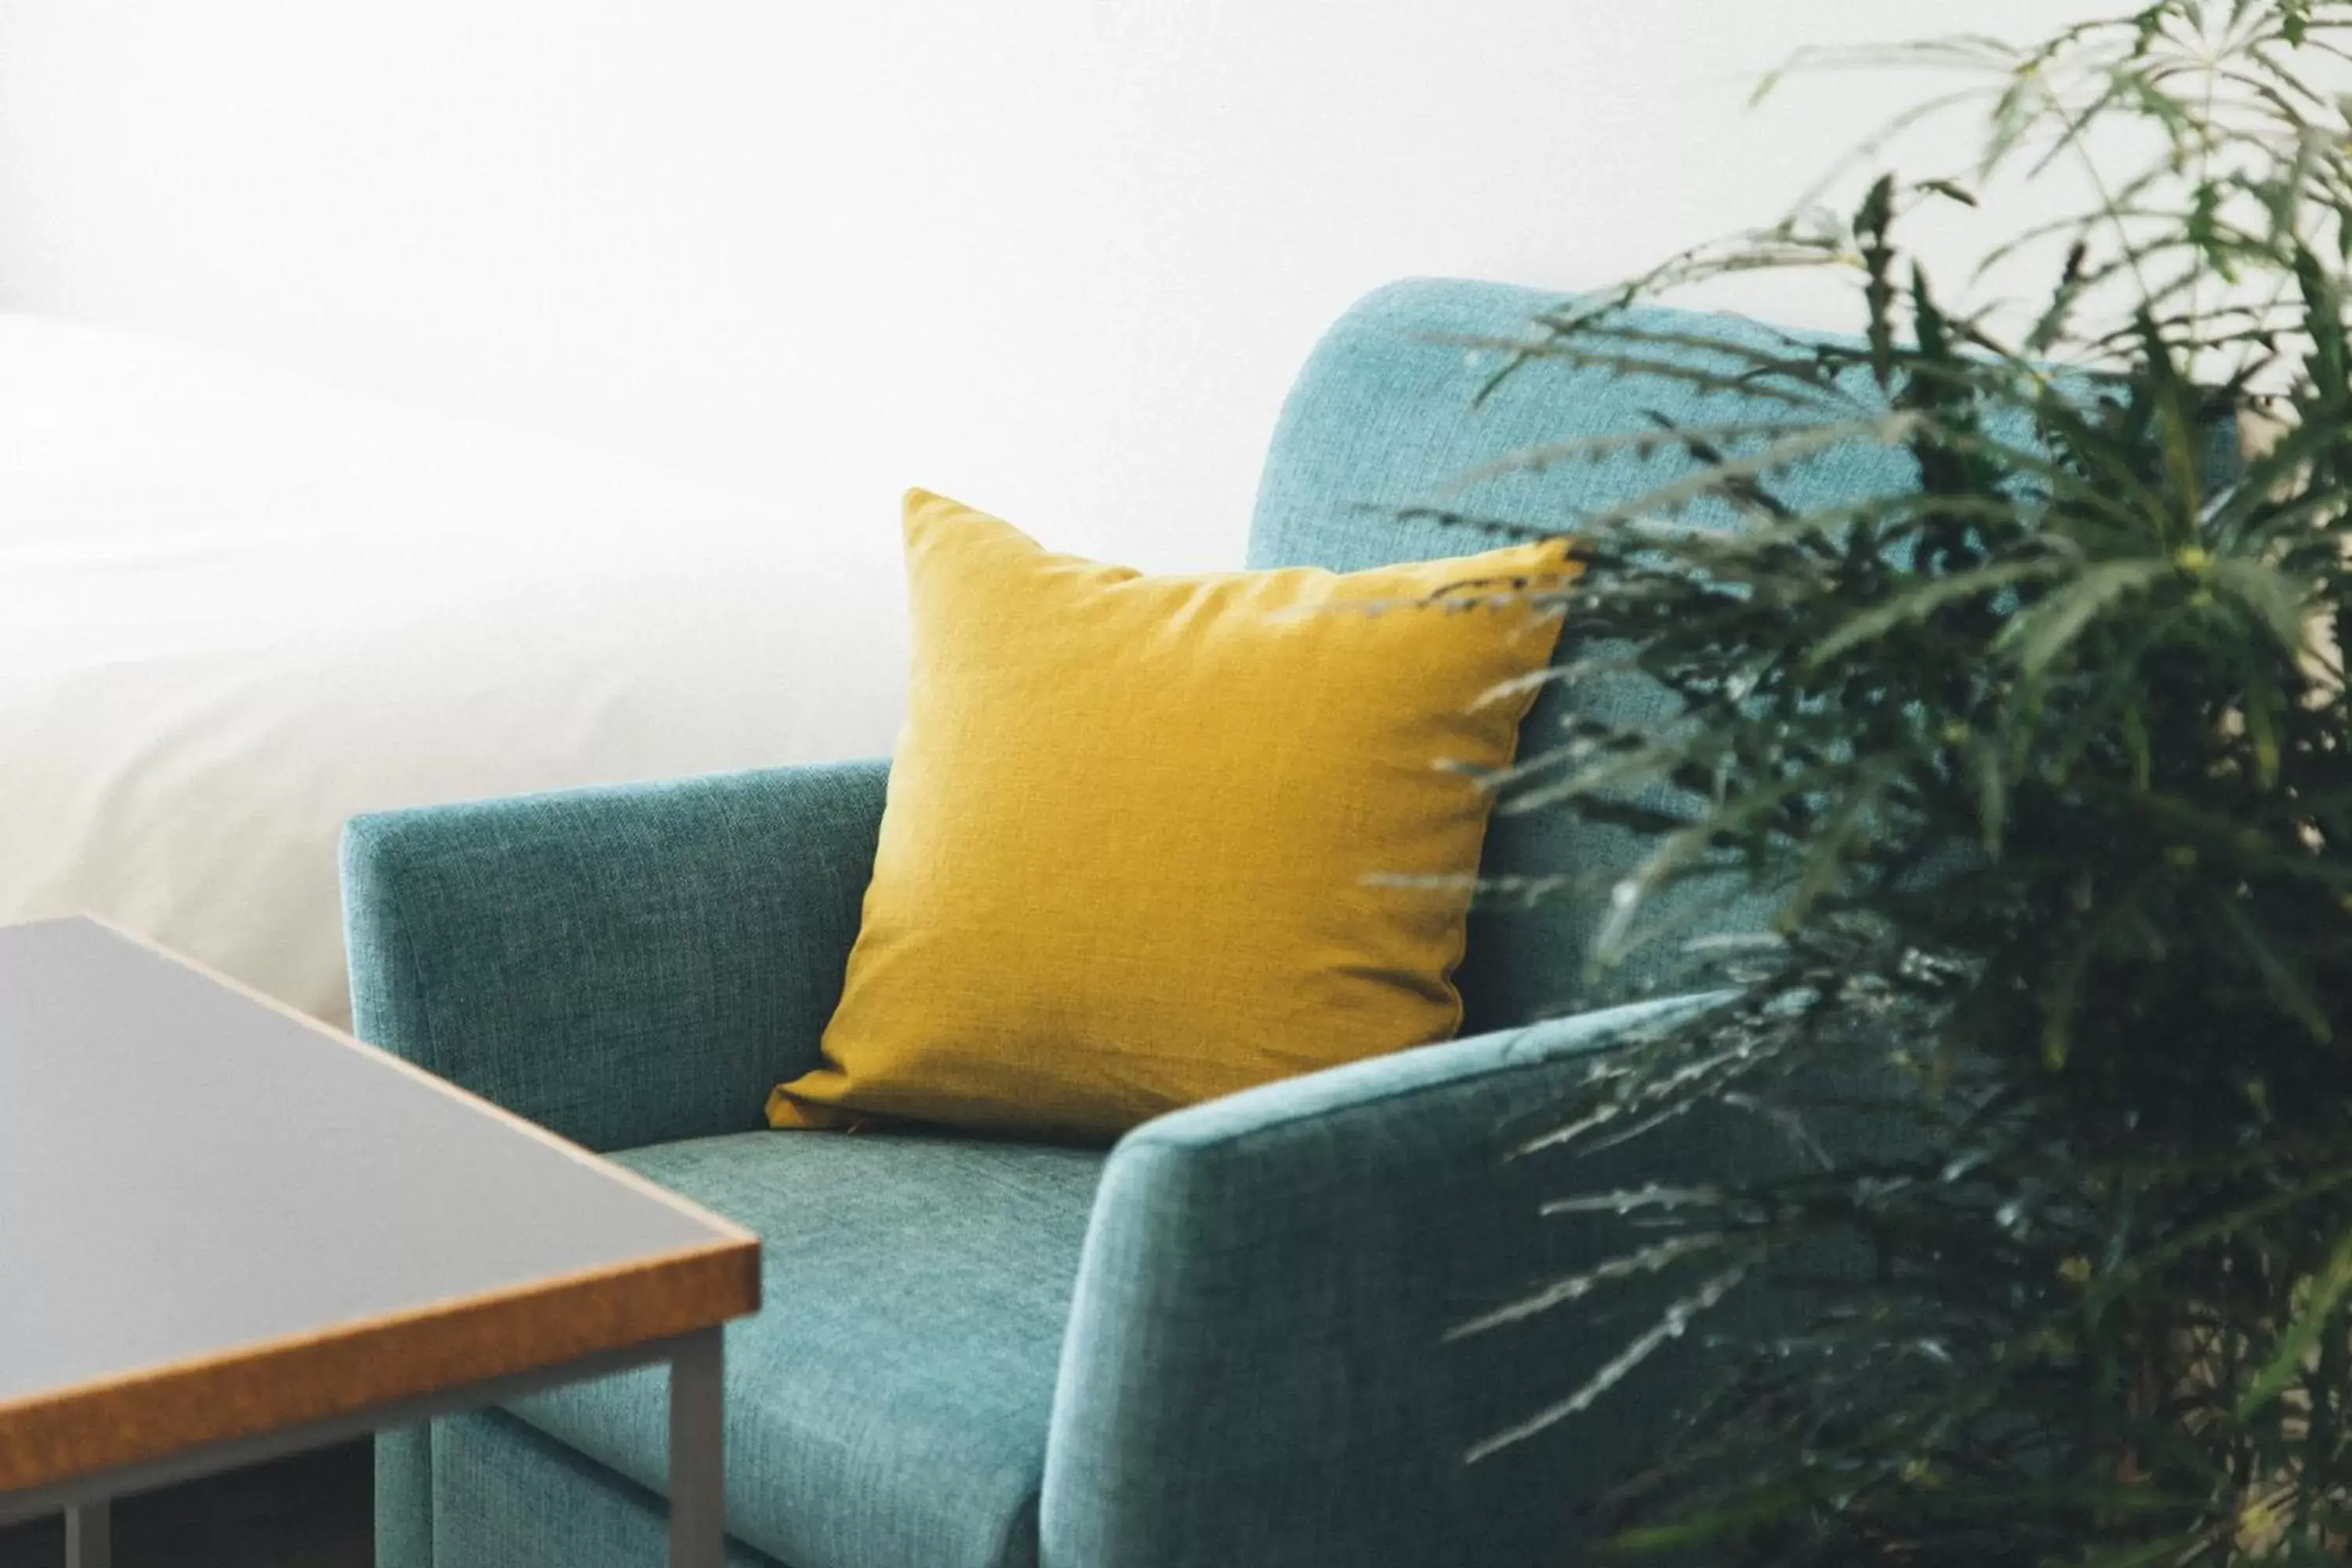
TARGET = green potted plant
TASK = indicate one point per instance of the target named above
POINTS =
(2044, 771)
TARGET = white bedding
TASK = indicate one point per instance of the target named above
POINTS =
(235, 609)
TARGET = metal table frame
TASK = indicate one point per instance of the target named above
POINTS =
(697, 1470)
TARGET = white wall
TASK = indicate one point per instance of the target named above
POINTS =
(1058, 256)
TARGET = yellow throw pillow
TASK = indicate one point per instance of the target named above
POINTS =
(1141, 834)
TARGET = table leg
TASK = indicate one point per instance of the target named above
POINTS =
(89, 1536)
(698, 1459)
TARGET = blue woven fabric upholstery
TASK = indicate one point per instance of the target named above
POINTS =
(1258, 1368)
(404, 1497)
(626, 965)
(891, 1404)
(1255, 1367)
(1384, 416)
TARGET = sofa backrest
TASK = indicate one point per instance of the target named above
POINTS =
(1383, 416)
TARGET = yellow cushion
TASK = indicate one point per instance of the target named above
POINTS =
(1132, 849)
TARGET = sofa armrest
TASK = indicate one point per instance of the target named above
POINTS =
(1258, 1367)
(625, 965)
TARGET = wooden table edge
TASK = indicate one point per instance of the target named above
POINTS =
(61, 1434)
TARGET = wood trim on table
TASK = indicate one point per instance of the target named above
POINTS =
(61, 1434)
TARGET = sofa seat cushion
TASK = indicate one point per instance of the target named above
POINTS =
(888, 1404)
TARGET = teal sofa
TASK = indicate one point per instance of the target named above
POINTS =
(1223, 1343)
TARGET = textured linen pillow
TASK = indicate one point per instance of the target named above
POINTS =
(1144, 835)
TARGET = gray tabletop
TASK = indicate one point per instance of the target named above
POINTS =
(185, 1170)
